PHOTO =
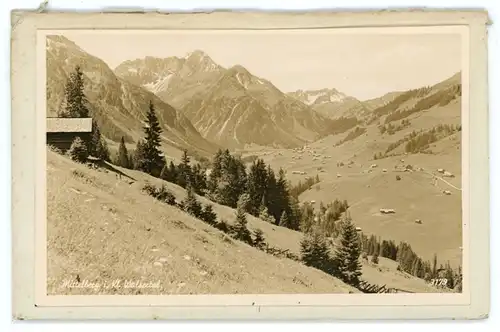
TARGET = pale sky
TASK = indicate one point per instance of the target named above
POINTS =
(363, 63)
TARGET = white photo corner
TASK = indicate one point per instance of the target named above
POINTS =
(250, 165)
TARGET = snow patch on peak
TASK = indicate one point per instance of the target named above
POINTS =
(195, 54)
(161, 83)
(319, 96)
(339, 96)
(243, 84)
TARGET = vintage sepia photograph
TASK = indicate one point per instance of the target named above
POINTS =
(254, 162)
(250, 165)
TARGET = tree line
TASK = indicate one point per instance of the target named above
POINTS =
(356, 132)
(301, 187)
(420, 142)
(395, 103)
(408, 260)
(441, 98)
(266, 194)
(391, 129)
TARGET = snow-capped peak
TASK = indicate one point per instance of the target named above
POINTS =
(319, 96)
(161, 82)
(201, 61)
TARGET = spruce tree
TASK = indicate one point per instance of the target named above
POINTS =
(208, 215)
(259, 240)
(191, 204)
(97, 146)
(123, 157)
(450, 276)
(198, 179)
(227, 179)
(264, 215)
(315, 253)
(283, 199)
(347, 254)
(153, 161)
(240, 229)
(244, 202)
(257, 185)
(184, 171)
(138, 156)
(434, 266)
(295, 213)
(285, 220)
(272, 196)
(78, 150)
(75, 100)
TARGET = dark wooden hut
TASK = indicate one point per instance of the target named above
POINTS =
(62, 131)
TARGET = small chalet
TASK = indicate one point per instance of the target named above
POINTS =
(62, 131)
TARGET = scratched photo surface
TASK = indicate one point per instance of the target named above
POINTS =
(253, 162)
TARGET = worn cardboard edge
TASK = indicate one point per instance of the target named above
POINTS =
(466, 13)
(23, 138)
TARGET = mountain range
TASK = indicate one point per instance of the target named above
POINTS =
(118, 106)
(203, 106)
(229, 106)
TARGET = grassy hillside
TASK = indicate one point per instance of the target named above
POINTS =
(102, 228)
(105, 228)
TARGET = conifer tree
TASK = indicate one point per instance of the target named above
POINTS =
(295, 213)
(227, 179)
(78, 150)
(191, 204)
(104, 151)
(272, 195)
(307, 218)
(184, 171)
(450, 276)
(240, 229)
(264, 215)
(152, 160)
(283, 199)
(123, 159)
(256, 185)
(285, 220)
(97, 145)
(244, 202)
(169, 172)
(208, 215)
(347, 254)
(259, 240)
(75, 99)
(375, 258)
(198, 179)
(434, 266)
(314, 252)
(138, 156)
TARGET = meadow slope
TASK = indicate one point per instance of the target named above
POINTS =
(102, 227)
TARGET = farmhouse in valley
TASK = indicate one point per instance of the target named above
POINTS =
(62, 131)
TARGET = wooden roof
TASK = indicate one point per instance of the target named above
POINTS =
(69, 125)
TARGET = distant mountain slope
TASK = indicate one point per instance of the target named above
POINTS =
(331, 103)
(231, 106)
(118, 105)
(174, 80)
(398, 105)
